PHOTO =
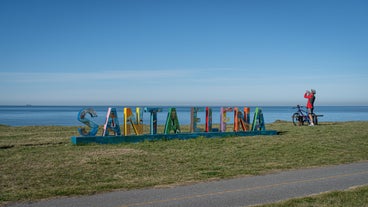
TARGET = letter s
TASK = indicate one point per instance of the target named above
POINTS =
(82, 118)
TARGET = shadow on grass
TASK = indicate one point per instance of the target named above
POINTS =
(282, 132)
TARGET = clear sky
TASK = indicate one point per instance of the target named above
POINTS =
(183, 52)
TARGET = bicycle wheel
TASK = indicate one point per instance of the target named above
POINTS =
(315, 119)
(296, 119)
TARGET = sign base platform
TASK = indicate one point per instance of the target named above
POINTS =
(79, 140)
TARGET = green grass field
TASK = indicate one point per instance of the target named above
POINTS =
(40, 161)
(356, 197)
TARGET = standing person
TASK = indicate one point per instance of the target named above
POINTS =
(310, 104)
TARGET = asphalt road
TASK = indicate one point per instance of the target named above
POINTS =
(244, 191)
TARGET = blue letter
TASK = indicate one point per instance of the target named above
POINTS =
(82, 118)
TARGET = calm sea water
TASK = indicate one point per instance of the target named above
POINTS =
(67, 115)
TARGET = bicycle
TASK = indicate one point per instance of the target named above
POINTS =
(301, 116)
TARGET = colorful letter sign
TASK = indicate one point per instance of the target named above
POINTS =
(258, 121)
(172, 128)
(208, 120)
(111, 123)
(241, 119)
(153, 118)
(135, 121)
(82, 118)
(172, 122)
(223, 118)
(194, 119)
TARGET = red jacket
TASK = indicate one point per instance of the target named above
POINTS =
(310, 97)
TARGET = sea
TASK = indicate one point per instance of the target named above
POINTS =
(67, 115)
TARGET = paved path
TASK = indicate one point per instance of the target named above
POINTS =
(234, 192)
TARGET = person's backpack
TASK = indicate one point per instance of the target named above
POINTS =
(311, 100)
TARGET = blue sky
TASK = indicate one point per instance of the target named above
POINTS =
(183, 52)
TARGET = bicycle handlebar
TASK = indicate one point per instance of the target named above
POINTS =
(298, 106)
